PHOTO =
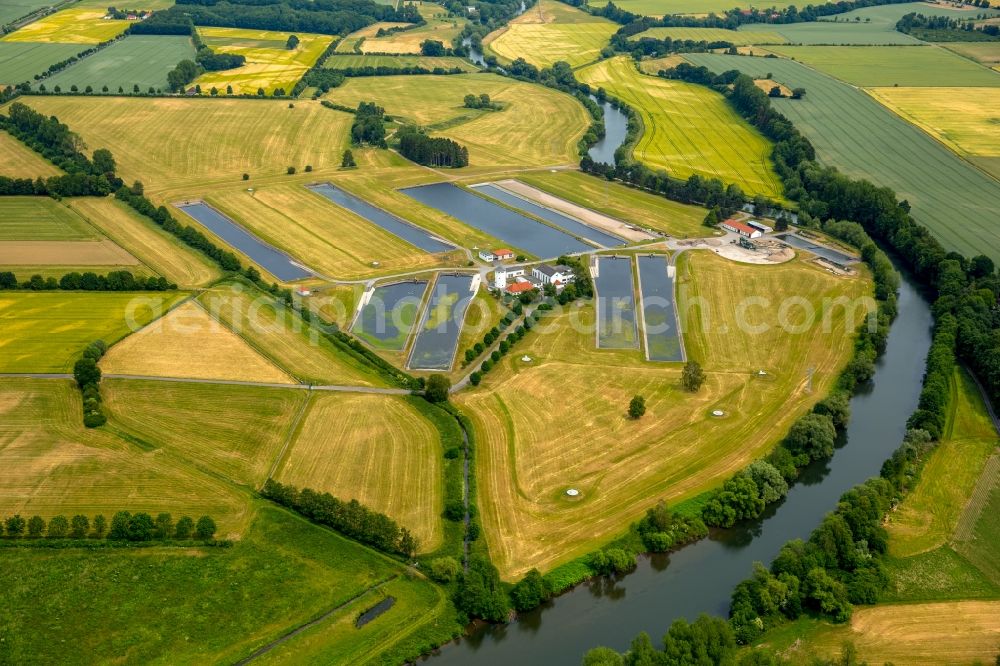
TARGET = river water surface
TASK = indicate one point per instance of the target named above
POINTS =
(701, 577)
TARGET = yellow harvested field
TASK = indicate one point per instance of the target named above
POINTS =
(54, 465)
(64, 253)
(165, 142)
(140, 236)
(529, 427)
(955, 632)
(537, 126)
(235, 431)
(269, 65)
(964, 119)
(284, 337)
(549, 32)
(376, 449)
(324, 236)
(655, 65)
(76, 25)
(689, 129)
(349, 43)
(19, 161)
(188, 343)
(767, 84)
(442, 30)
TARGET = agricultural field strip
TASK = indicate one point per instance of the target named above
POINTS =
(698, 147)
(948, 194)
(21, 61)
(141, 60)
(985, 485)
(74, 25)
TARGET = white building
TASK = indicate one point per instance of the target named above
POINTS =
(502, 276)
(557, 275)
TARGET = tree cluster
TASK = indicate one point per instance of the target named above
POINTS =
(663, 530)
(88, 281)
(88, 380)
(431, 151)
(350, 518)
(945, 29)
(479, 592)
(368, 126)
(481, 101)
(124, 526)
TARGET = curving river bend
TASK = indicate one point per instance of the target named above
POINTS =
(701, 577)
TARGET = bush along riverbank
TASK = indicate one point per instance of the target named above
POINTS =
(841, 564)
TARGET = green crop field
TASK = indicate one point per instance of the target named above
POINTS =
(11, 10)
(186, 142)
(46, 332)
(159, 250)
(696, 7)
(551, 31)
(19, 161)
(528, 427)
(689, 129)
(138, 60)
(947, 194)
(41, 218)
(828, 32)
(284, 337)
(537, 126)
(339, 61)
(964, 119)
(269, 65)
(871, 66)
(377, 449)
(75, 25)
(323, 235)
(224, 602)
(21, 61)
(739, 38)
(623, 203)
(987, 53)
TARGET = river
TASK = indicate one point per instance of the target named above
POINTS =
(700, 578)
(615, 129)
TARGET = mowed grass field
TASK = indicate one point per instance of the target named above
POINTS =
(159, 250)
(428, 62)
(549, 32)
(439, 27)
(47, 331)
(188, 343)
(233, 431)
(624, 203)
(987, 53)
(188, 142)
(377, 449)
(323, 235)
(350, 43)
(70, 254)
(862, 138)
(928, 516)
(281, 335)
(269, 65)
(964, 119)
(227, 602)
(19, 161)
(960, 632)
(528, 426)
(20, 61)
(75, 25)
(874, 66)
(738, 38)
(137, 60)
(53, 465)
(696, 7)
(41, 219)
(689, 129)
(537, 126)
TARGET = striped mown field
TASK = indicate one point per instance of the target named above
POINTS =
(551, 31)
(377, 449)
(736, 37)
(862, 138)
(689, 129)
(19, 161)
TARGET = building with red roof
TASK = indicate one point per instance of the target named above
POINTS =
(742, 229)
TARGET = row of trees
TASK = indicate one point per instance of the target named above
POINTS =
(124, 526)
(351, 518)
(943, 28)
(505, 346)
(88, 380)
(415, 145)
(477, 349)
(88, 281)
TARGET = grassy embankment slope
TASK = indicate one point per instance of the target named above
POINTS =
(943, 605)
(529, 415)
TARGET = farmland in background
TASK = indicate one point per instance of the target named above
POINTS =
(75, 25)
(340, 61)
(21, 61)
(137, 60)
(551, 31)
(951, 197)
